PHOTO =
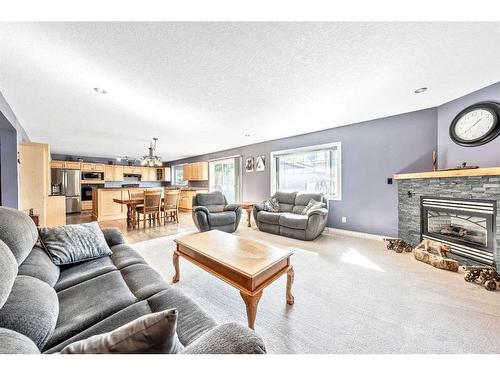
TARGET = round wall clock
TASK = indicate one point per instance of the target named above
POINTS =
(476, 125)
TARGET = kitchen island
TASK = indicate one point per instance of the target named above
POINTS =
(105, 208)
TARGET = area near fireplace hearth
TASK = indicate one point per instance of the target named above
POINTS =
(458, 208)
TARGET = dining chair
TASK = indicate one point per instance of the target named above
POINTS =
(150, 209)
(170, 207)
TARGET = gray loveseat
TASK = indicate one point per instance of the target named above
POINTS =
(211, 211)
(44, 307)
(289, 221)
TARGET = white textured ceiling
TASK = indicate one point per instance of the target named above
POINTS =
(200, 87)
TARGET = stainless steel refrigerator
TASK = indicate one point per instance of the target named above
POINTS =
(70, 181)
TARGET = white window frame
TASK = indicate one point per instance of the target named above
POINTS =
(337, 145)
(239, 176)
(172, 174)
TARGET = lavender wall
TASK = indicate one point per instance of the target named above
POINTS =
(372, 151)
(451, 154)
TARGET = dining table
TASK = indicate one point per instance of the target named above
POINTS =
(131, 209)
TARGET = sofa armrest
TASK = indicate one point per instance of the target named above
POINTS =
(232, 207)
(229, 338)
(201, 209)
(318, 211)
(113, 236)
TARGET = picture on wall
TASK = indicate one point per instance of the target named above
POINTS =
(260, 163)
(249, 164)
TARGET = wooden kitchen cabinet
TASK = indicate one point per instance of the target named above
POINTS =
(59, 164)
(87, 167)
(113, 172)
(127, 169)
(72, 165)
(195, 171)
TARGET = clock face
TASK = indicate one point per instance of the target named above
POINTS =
(475, 124)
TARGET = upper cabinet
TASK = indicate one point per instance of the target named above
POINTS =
(60, 164)
(92, 167)
(195, 171)
(166, 174)
(113, 173)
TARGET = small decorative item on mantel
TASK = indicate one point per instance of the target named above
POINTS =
(398, 245)
(460, 167)
(486, 276)
(437, 259)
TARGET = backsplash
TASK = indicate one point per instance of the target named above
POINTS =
(145, 184)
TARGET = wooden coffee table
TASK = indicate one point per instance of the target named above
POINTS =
(247, 265)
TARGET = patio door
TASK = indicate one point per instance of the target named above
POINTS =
(224, 175)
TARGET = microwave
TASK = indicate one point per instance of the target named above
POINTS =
(93, 176)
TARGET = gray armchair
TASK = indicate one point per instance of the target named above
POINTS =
(211, 211)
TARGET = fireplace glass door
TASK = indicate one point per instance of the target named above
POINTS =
(467, 228)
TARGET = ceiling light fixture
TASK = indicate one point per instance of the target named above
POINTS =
(247, 135)
(420, 90)
(99, 90)
(151, 159)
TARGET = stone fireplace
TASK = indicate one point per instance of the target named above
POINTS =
(459, 210)
(467, 225)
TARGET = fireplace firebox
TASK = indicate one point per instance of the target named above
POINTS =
(467, 225)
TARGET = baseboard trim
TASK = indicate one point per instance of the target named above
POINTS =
(349, 233)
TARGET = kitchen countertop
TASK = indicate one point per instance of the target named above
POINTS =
(159, 187)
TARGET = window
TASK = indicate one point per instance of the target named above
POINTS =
(224, 176)
(311, 169)
(177, 178)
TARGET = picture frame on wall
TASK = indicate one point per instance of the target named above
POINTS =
(249, 164)
(260, 163)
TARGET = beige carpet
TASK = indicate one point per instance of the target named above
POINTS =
(351, 296)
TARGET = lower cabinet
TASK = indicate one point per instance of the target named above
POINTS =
(186, 198)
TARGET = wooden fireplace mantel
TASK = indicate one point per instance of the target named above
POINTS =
(495, 171)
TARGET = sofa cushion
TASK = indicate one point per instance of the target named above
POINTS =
(215, 201)
(221, 218)
(285, 197)
(69, 244)
(302, 199)
(269, 217)
(12, 342)
(18, 232)
(294, 221)
(74, 274)
(143, 281)
(124, 255)
(8, 272)
(39, 265)
(31, 309)
(151, 333)
(87, 303)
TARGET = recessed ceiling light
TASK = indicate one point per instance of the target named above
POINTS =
(247, 134)
(421, 90)
(99, 90)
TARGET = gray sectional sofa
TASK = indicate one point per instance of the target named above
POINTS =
(211, 211)
(289, 221)
(44, 307)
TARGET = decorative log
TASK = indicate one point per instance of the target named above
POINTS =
(439, 248)
(398, 245)
(435, 260)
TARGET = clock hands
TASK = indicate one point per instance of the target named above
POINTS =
(468, 130)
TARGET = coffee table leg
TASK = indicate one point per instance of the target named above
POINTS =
(289, 282)
(251, 303)
(175, 260)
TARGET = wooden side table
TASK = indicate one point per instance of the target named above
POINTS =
(248, 207)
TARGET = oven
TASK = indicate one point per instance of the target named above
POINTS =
(87, 191)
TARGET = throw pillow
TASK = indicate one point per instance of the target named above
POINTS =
(272, 205)
(74, 243)
(152, 333)
(312, 205)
